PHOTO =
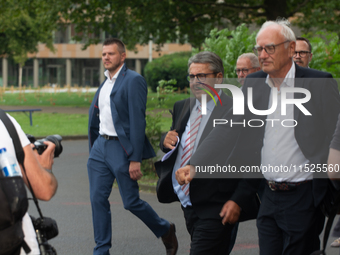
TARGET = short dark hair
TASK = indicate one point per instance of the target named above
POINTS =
(207, 57)
(119, 43)
(300, 38)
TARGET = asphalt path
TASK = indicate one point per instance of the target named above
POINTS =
(71, 208)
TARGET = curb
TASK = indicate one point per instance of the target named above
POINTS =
(67, 137)
(147, 188)
(75, 137)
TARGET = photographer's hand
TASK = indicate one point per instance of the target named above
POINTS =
(46, 158)
(43, 182)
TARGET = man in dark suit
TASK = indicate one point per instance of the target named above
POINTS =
(203, 200)
(289, 148)
(117, 146)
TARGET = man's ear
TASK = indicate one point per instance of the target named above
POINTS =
(123, 56)
(219, 77)
(291, 48)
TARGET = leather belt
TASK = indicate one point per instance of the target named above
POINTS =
(107, 137)
(284, 186)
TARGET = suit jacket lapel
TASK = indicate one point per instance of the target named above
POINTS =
(298, 83)
(261, 94)
(216, 114)
(185, 117)
(119, 81)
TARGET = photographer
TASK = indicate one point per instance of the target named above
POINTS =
(38, 171)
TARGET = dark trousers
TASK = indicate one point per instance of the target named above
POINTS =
(233, 237)
(106, 163)
(208, 236)
(288, 222)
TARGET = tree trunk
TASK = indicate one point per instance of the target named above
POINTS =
(20, 75)
(275, 9)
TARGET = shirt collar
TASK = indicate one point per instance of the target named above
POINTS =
(289, 79)
(210, 103)
(107, 74)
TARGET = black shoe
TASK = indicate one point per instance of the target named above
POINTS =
(170, 240)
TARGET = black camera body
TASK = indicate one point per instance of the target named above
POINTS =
(45, 229)
(41, 147)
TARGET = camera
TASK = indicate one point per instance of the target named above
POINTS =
(45, 229)
(41, 147)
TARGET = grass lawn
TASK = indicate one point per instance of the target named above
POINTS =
(74, 124)
(53, 123)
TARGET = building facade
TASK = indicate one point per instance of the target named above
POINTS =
(70, 65)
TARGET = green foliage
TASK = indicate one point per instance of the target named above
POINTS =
(168, 103)
(319, 15)
(164, 88)
(167, 67)
(153, 132)
(229, 44)
(24, 24)
(326, 52)
(138, 21)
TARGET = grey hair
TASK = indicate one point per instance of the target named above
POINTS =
(252, 57)
(207, 57)
(286, 31)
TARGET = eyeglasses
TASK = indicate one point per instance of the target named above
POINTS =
(301, 53)
(270, 49)
(200, 77)
(243, 70)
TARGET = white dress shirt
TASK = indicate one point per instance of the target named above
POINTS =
(106, 126)
(280, 148)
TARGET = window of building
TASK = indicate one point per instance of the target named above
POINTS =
(52, 72)
(85, 72)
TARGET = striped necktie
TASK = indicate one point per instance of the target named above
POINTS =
(190, 143)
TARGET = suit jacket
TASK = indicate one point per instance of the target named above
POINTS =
(128, 104)
(312, 133)
(207, 195)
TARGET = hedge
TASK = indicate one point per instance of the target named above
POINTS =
(167, 67)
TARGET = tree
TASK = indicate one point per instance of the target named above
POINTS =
(320, 15)
(189, 20)
(326, 52)
(24, 24)
(228, 45)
